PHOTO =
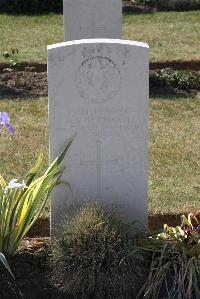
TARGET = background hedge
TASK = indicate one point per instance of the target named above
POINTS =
(171, 5)
(32, 7)
(47, 6)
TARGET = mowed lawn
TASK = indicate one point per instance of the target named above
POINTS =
(174, 148)
(170, 35)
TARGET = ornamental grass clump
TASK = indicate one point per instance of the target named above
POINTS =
(90, 257)
(22, 202)
(175, 267)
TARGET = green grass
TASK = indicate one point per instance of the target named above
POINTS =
(174, 155)
(30, 34)
(174, 177)
(19, 152)
(170, 35)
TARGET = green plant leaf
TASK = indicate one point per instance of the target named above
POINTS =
(21, 206)
(5, 263)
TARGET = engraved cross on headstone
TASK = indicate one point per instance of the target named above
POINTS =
(92, 29)
(98, 163)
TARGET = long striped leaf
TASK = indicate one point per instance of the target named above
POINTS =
(20, 208)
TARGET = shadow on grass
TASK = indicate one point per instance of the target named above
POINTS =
(162, 93)
(169, 93)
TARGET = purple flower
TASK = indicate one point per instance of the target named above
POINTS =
(5, 122)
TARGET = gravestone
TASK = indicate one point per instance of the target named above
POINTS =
(92, 19)
(98, 90)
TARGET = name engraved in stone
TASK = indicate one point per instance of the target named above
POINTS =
(100, 121)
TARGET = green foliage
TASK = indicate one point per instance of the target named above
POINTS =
(145, 2)
(172, 5)
(180, 79)
(22, 203)
(91, 258)
(35, 7)
(175, 267)
(177, 5)
(12, 57)
(5, 263)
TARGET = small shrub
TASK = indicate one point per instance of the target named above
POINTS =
(12, 58)
(175, 267)
(91, 258)
(180, 79)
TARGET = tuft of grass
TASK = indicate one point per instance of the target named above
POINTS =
(169, 35)
(91, 256)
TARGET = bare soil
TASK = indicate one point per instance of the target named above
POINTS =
(30, 267)
(26, 83)
(155, 222)
(30, 80)
(174, 64)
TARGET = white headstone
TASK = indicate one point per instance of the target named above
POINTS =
(92, 19)
(98, 90)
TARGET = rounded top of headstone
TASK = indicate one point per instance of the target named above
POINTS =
(97, 41)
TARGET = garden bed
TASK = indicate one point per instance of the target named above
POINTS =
(31, 81)
(32, 273)
(36, 259)
(173, 64)
(147, 6)
(41, 228)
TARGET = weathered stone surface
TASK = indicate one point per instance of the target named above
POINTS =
(98, 90)
(92, 19)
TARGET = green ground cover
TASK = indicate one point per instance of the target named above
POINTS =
(171, 35)
(174, 178)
